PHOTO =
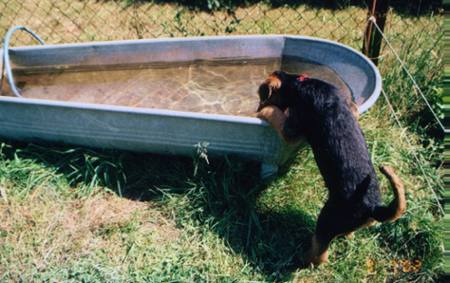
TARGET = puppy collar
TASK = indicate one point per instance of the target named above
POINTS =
(302, 77)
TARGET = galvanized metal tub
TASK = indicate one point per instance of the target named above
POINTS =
(165, 131)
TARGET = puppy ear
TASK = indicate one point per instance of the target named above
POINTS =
(266, 89)
(274, 82)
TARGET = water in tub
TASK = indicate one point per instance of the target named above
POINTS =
(220, 87)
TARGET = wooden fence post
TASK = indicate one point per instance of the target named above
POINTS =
(372, 38)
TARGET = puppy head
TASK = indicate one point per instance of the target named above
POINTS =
(276, 90)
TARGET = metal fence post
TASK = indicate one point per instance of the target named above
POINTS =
(372, 38)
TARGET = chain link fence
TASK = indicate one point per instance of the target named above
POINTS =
(67, 21)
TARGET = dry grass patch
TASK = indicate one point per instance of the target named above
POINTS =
(44, 229)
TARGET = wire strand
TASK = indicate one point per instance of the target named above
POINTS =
(391, 108)
(403, 65)
(397, 120)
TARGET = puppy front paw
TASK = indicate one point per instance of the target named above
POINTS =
(274, 116)
(267, 113)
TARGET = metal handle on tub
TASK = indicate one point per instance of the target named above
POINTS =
(6, 63)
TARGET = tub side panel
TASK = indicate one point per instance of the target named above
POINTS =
(136, 131)
(358, 74)
(148, 51)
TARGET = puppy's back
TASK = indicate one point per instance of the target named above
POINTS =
(336, 138)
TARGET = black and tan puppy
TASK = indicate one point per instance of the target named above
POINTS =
(327, 120)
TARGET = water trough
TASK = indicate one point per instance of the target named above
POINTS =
(137, 95)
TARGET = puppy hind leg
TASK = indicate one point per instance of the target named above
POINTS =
(326, 230)
(350, 235)
(318, 252)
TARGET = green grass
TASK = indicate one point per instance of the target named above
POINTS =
(220, 225)
(80, 215)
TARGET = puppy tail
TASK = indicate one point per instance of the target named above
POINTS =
(398, 205)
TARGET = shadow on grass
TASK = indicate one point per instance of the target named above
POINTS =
(221, 196)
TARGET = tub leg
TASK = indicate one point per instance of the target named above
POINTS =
(268, 170)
